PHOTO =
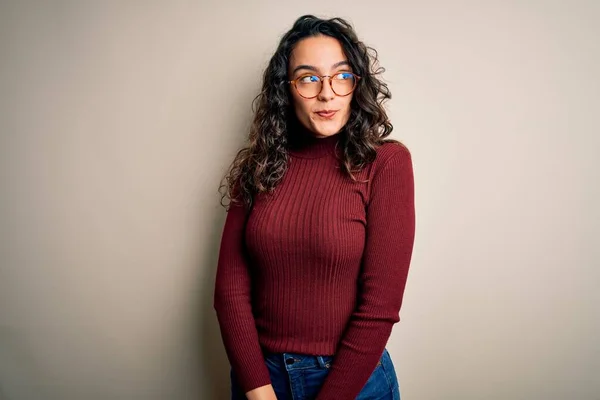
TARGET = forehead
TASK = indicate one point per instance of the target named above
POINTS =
(319, 51)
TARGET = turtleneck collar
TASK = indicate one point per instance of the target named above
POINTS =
(304, 144)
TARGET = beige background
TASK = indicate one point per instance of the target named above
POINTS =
(118, 120)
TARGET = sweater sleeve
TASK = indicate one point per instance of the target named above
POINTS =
(233, 306)
(384, 270)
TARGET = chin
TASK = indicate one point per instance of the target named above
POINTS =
(326, 130)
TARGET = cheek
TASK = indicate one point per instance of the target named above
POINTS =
(302, 108)
(347, 110)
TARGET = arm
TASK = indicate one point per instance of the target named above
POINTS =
(385, 264)
(232, 302)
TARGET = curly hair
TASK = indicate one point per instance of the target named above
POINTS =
(260, 165)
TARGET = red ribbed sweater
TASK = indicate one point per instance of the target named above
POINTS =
(319, 266)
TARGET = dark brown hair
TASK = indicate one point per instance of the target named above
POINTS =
(260, 165)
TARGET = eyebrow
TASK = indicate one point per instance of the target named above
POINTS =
(310, 67)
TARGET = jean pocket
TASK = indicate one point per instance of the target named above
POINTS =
(313, 379)
(389, 371)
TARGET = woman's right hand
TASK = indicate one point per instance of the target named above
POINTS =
(262, 393)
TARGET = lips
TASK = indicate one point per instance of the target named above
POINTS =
(326, 113)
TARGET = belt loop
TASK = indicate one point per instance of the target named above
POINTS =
(322, 363)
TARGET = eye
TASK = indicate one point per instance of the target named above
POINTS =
(343, 76)
(308, 79)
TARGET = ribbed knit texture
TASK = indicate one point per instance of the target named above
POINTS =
(319, 266)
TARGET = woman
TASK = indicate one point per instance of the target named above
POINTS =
(319, 233)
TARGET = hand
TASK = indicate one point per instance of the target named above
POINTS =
(262, 393)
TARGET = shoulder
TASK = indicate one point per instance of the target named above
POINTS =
(392, 169)
(391, 176)
(391, 155)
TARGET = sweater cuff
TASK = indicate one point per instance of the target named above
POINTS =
(252, 378)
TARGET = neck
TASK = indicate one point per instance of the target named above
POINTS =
(305, 144)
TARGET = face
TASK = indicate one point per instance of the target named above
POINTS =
(320, 55)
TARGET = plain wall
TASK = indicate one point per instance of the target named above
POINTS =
(118, 120)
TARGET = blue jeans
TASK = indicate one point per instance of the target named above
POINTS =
(302, 378)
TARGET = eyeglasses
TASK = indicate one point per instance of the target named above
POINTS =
(309, 86)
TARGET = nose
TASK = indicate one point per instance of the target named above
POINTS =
(326, 90)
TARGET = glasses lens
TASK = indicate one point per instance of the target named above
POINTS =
(343, 83)
(309, 85)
